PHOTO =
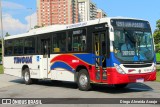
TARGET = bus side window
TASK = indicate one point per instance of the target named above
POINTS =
(18, 46)
(29, 45)
(8, 47)
(59, 42)
(78, 40)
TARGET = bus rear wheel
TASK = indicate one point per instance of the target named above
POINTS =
(26, 76)
(83, 80)
(120, 86)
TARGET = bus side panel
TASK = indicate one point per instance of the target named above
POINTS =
(60, 68)
(63, 75)
(13, 72)
(35, 67)
(63, 66)
(11, 68)
(17, 62)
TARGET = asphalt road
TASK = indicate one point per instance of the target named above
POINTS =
(13, 87)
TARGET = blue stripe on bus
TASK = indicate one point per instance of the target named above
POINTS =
(88, 58)
(110, 62)
(62, 65)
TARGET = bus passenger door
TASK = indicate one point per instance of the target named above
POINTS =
(45, 50)
(100, 51)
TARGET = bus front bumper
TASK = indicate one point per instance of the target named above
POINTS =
(116, 78)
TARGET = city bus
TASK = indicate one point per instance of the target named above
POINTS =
(85, 53)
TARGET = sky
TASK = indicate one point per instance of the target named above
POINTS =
(17, 13)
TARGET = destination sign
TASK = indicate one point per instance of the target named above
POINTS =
(76, 25)
(130, 23)
(128, 53)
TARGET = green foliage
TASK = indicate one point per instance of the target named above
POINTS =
(158, 57)
(7, 34)
(1, 69)
(36, 26)
(156, 36)
(158, 75)
(158, 48)
(0, 50)
(158, 25)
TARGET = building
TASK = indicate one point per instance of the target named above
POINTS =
(88, 10)
(101, 13)
(51, 12)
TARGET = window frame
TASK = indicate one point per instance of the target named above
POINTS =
(5, 48)
(32, 44)
(56, 34)
(86, 35)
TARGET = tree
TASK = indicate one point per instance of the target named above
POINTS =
(157, 35)
(36, 26)
(7, 34)
(158, 25)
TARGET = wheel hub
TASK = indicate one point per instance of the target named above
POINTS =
(83, 80)
(26, 76)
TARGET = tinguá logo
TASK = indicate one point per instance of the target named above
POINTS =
(19, 60)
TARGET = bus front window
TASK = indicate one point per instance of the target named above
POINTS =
(133, 46)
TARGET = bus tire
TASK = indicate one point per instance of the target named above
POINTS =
(120, 86)
(83, 80)
(26, 76)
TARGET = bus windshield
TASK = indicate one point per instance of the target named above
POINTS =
(133, 45)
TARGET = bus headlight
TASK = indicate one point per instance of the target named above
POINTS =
(119, 69)
(154, 68)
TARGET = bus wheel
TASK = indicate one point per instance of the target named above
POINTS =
(83, 80)
(120, 86)
(26, 76)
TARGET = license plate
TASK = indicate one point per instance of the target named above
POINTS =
(141, 80)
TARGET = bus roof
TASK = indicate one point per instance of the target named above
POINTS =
(54, 28)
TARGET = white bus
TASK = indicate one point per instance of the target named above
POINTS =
(85, 53)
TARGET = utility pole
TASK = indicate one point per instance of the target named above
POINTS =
(2, 30)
